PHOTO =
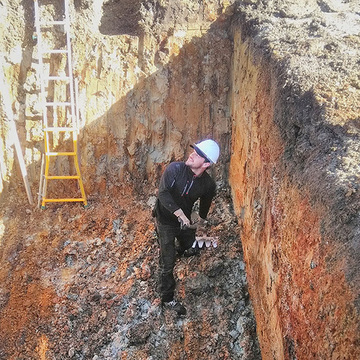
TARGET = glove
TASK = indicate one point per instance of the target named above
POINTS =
(183, 220)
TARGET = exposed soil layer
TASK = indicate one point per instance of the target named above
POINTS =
(295, 175)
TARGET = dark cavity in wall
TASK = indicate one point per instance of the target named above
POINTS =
(129, 17)
(121, 17)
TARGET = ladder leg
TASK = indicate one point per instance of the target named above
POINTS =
(46, 172)
(40, 194)
(47, 164)
(77, 167)
(81, 185)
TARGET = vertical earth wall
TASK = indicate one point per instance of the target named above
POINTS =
(301, 269)
(145, 92)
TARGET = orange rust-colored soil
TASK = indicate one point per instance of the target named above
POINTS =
(83, 282)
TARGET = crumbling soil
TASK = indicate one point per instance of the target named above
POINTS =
(82, 283)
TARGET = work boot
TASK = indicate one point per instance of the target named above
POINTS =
(192, 252)
(175, 306)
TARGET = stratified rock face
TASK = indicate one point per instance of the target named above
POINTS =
(298, 211)
(157, 84)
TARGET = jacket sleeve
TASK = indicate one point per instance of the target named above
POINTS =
(205, 201)
(167, 182)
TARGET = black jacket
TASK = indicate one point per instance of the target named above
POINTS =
(180, 188)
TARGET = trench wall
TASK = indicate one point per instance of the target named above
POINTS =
(303, 294)
(144, 97)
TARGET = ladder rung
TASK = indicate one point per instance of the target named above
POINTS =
(61, 153)
(53, 128)
(65, 78)
(50, 23)
(54, 51)
(57, 104)
(61, 177)
(64, 200)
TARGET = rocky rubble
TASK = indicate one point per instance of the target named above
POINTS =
(92, 294)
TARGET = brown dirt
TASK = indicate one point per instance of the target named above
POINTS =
(75, 281)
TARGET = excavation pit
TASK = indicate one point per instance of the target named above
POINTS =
(277, 85)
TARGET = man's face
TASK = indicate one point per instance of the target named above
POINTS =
(195, 161)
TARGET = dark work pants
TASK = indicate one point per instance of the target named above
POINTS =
(167, 235)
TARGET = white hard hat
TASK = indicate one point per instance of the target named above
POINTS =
(208, 149)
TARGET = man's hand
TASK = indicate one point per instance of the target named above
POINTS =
(184, 221)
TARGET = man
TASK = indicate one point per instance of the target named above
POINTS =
(181, 185)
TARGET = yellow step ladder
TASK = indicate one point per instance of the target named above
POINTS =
(57, 97)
